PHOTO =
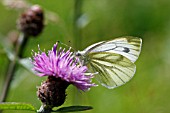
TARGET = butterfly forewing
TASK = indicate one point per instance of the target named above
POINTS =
(129, 47)
(113, 69)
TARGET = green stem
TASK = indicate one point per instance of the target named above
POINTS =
(77, 38)
(44, 109)
(22, 42)
(12, 66)
(77, 31)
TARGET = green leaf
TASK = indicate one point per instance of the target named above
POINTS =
(7, 46)
(26, 63)
(73, 108)
(16, 106)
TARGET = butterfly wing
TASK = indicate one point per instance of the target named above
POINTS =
(128, 47)
(113, 60)
(113, 69)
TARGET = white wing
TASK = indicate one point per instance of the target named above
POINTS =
(113, 60)
(114, 69)
(128, 46)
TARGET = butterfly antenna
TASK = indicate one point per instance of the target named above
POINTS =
(66, 45)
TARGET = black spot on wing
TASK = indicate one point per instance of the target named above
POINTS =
(126, 50)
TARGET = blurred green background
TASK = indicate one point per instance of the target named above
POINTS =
(147, 92)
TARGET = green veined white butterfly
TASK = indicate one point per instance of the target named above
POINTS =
(113, 60)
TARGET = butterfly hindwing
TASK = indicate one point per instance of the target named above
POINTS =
(113, 69)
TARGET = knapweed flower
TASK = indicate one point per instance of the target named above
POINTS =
(62, 70)
(61, 64)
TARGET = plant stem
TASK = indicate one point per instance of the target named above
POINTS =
(77, 38)
(21, 43)
(44, 109)
(77, 31)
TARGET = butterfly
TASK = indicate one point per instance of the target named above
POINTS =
(113, 60)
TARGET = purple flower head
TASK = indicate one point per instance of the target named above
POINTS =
(61, 64)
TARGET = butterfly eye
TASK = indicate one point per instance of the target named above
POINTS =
(78, 54)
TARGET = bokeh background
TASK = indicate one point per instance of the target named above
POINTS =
(147, 92)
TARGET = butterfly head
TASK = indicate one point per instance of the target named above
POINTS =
(79, 53)
(82, 56)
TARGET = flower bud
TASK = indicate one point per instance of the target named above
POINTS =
(31, 21)
(52, 92)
